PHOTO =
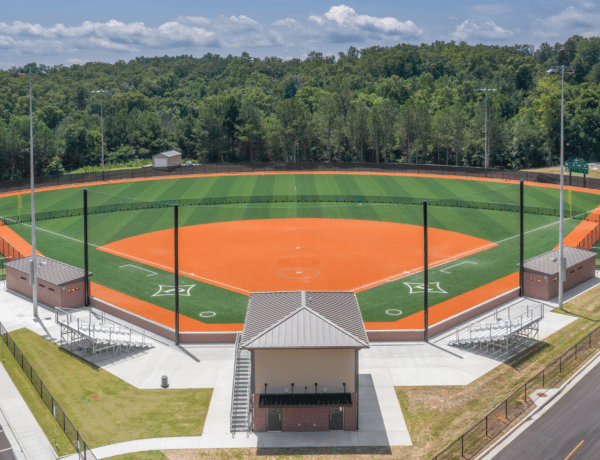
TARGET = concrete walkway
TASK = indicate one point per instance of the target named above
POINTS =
(382, 367)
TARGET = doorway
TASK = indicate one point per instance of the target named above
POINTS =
(274, 420)
(336, 419)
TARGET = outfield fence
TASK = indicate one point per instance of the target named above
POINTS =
(229, 200)
(61, 419)
(470, 444)
(8, 252)
(237, 168)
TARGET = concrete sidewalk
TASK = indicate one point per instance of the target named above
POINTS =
(381, 368)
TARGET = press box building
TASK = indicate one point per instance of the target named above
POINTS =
(304, 360)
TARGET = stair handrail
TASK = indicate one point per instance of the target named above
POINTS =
(235, 361)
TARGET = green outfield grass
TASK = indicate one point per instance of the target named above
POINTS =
(61, 238)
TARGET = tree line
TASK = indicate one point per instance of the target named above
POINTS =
(406, 104)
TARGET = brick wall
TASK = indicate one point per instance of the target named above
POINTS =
(351, 415)
(259, 416)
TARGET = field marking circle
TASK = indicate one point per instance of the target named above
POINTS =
(299, 273)
(207, 314)
(394, 312)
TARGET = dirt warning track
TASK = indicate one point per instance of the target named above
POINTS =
(297, 254)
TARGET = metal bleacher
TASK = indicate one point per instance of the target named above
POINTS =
(95, 337)
(501, 333)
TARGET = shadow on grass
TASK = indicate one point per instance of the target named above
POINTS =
(528, 354)
(359, 450)
(70, 354)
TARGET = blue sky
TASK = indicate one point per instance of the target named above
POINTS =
(78, 31)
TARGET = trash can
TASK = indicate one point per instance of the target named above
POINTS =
(165, 382)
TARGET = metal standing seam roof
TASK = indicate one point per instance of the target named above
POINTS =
(303, 320)
(169, 154)
(545, 265)
(49, 270)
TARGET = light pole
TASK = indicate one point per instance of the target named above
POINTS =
(486, 163)
(33, 266)
(562, 268)
(102, 91)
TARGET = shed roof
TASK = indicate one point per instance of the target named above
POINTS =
(49, 270)
(169, 154)
(545, 264)
(312, 319)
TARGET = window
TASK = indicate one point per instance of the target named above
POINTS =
(51, 289)
(41, 285)
(23, 278)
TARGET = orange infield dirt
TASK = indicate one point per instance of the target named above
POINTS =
(297, 254)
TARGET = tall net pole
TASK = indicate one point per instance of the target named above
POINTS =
(521, 244)
(176, 228)
(86, 275)
(425, 274)
(33, 273)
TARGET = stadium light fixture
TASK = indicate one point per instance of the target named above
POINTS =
(33, 273)
(562, 269)
(102, 91)
(486, 161)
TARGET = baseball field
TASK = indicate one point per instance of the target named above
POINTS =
(233, 247)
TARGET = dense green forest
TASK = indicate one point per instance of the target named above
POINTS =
(406, 103)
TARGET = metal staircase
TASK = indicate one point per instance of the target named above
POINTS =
(240, 394)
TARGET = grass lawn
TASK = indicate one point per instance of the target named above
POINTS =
(148, 455)
(104, 408)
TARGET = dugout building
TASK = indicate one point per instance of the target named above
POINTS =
(59, 284)
(169, 159)
(540, 274)
(304, 360)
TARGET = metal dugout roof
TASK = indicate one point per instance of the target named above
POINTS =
(303, 319)
(544, 264)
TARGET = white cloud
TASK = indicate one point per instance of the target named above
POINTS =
(289, 22)
(343, 20)
(341, 24)
(481, 29)
(571, 21)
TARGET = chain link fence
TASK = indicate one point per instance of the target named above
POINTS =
(482, 433)
(222, 168)
(7, 253)
(62, 420)
(141, 205)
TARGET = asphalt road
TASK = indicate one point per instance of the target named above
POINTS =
(559, 432)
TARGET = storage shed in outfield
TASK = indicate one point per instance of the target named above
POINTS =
(540, 274)
(168, 159)
(59, 284)
(304, 360)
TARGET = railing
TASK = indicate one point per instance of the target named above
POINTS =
(230, 200)
(488, 428)
(84, 452)
(499, 325)
(467, 171)
(109, 336)
(235, 361)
